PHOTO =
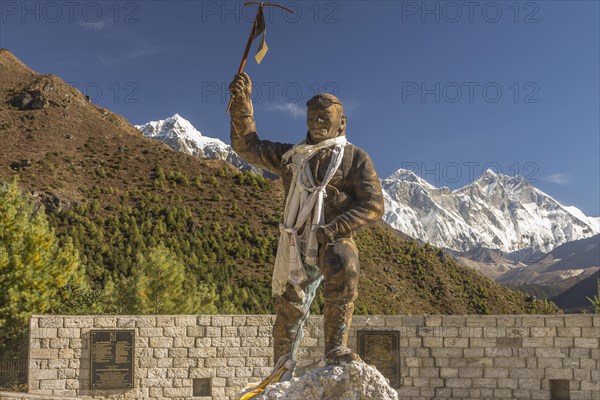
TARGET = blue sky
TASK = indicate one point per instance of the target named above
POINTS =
(440, 87)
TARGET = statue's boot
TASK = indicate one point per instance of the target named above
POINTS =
(337, 320)
(287, 326)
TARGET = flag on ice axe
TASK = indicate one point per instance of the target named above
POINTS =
(258, 27)
(261, 27)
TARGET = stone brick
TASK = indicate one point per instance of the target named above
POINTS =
(38, 374)
(174, 331)
(495, 372)
(429, 372)
(551, 352)
(160, 342)
(236, 362)
(453, 320)
(432, 320)
(165, 320)
(568, 331)
(458, 383)
(230, 331)
(563, 342)
(537, 331)
(484, 383)
(538, 342)
(247, 331)
(256, 342)
(145, 321)
(497, 352)
(483, 342)
(202, 373)
(184, 342)
(50, 322)
(526, 373)
(456, 342)
(226, 341)
(212, 331)
(258, 361)
(507, 321)
(105, 322)
(449, 372)
(474, 352)
(413, 320)
(215, 362)
(177, 392)
(233, 352)
(508, 383)
(582, 374)
(44, 333)
(580, 353)
(43, 353)
(550, 363)
(243, 372)
(433, 342)
(78, 322)
(529, 321)
(480, 320)
(494, 331)
(150, 332)
(556, 321)
(531, 384)
(203, 342)
(559, 373)
(267, 331)
(503, 393)
(261, 352)
(578, 320)
(478, 362)
(591, 343)
(203, 352)
(470, 372)
(444, 352)
(54, 384)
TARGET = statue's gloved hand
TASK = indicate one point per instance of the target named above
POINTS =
(241, 92)
(241, 111)
(325, 234)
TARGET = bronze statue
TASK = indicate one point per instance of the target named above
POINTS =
(331, 190)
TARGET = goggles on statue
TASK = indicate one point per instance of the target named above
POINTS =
(322, 102)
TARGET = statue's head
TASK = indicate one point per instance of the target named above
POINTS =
(325, 117)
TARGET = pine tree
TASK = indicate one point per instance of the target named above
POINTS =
(160, 284)
(37, 273)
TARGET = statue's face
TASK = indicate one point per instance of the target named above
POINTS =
(325, 122)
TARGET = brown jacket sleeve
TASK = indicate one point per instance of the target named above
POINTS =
(262, 153)
(368, 205)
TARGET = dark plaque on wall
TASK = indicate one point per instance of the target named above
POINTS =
(381, 349)
(111, 354)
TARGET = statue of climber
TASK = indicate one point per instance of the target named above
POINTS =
(331, 191)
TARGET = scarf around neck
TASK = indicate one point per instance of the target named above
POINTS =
(303, 209)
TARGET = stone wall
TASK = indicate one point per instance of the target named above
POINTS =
(479, 357)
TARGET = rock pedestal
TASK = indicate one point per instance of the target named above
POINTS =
(354, 381)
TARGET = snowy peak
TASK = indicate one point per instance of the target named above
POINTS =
(406, 175)
(495, 211)
(179, 134)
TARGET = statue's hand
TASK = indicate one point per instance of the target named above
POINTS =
(325, 235)
(241, 88)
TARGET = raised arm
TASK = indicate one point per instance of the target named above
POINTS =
(244, 140)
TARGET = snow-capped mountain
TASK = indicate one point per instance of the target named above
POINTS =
(495, 211)
(179, 134)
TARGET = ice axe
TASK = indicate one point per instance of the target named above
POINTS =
(258, 27)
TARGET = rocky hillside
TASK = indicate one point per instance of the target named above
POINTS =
(117, 193)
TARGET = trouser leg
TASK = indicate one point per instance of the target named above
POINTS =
(290, 312)
(340, 267)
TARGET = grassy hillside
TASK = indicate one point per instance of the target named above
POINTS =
(118, 194)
